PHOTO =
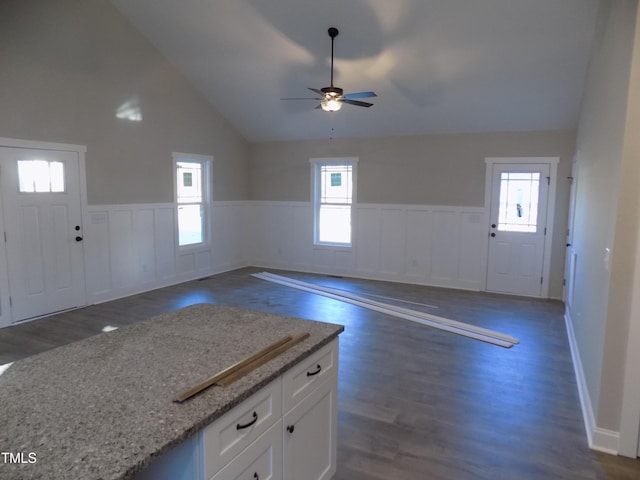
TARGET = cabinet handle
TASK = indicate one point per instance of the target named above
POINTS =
(311, 374)
(247, 425)
(290, 428)
(256, 476)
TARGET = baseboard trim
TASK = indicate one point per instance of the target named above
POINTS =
(600, 439)
(123, 292)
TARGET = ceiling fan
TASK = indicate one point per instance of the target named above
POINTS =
(331, 98)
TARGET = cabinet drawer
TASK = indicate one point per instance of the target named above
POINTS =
(235, 430)
(304, 377)
(261, 460)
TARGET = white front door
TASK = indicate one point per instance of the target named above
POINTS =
(518, 214)
(42, 218)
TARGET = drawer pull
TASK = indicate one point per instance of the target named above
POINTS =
(247, 425)
(311, 374)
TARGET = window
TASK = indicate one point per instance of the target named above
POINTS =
(192, 196)
(41, 176)
(518, 208)
(334, 181)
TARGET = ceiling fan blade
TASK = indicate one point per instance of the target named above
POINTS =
(315, 90)
(356, 102)
(301, 98)
(360, 95)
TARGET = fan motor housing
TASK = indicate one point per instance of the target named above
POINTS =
(332, 91)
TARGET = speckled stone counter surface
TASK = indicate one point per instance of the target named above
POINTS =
(102, 408)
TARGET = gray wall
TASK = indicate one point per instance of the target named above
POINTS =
(606, 213)
(66, 66)
(416, 170)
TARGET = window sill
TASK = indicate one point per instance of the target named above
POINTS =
(333, 245)
(194, 247)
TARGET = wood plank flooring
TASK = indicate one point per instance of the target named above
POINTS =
(414, 402)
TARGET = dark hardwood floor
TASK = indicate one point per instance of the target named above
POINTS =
(414, 402)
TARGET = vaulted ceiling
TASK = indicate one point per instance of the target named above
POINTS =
(438, 66)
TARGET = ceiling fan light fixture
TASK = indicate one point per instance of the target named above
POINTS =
(331, 104)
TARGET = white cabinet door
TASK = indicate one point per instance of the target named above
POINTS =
(310, 435)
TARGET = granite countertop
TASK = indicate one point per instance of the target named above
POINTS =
(102, 408)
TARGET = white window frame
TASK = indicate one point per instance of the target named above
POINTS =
(316, 165)
(205, 162)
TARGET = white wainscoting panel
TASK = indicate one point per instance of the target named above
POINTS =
(429, 245)
(229, 236)
(444, 247)
(302, 232)
(165, 244)
(133, 248)
(418, 253)
(122, 248)
(471, 250)
(145, 242)
(97, 263)
(393, 241)
(366, 236)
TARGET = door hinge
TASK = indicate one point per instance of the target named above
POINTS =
(10, 301)
(564, 282)
(548, 180)
(545, 230)
(540, 280)
(5, 237)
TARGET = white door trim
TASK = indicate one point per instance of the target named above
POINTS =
(5, 311)
(570, 256)
(548, 239)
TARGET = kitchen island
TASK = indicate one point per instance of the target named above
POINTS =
(102, 408)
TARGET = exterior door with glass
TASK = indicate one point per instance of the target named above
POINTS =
(518, 214)
(42, 218)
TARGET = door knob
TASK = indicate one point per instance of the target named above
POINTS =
(78, 239)
(77, 228)
(493, 225)
(290, 428)
(493, 234)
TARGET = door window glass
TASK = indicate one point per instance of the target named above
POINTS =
(518, 209)
(40, 176)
